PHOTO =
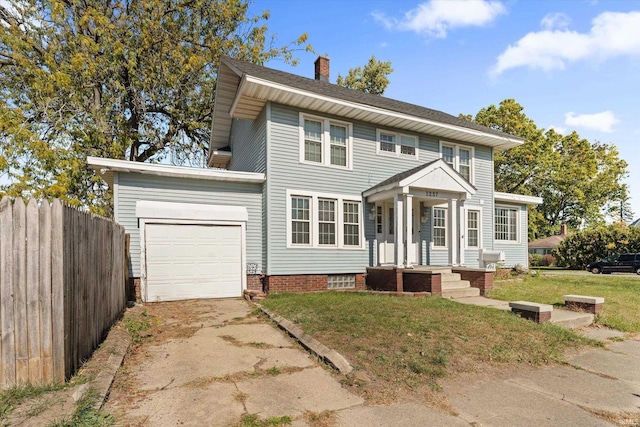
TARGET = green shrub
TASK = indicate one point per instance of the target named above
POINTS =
(535, 260)
(581, 248)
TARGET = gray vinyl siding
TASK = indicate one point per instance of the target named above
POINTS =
(285, 171)
(247, 142)
(516, 253)
(133, 187)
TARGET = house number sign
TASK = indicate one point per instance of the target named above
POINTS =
(431, 194)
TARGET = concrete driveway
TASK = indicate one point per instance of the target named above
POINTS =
(214, 361)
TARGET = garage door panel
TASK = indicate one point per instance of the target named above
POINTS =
(186, 261)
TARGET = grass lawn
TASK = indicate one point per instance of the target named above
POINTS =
(621, 295)
(407, 344)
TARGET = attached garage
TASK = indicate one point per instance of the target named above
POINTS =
(191, 251)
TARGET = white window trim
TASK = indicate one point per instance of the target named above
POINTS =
(326, 141)
(456, 157)
(518, 225)
(313, 216)
(466, 226)
(446, 229)
(398, 152)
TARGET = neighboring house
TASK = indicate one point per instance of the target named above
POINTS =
(636, 223)
(548, 244)
(312, 184)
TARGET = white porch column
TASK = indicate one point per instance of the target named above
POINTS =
(408, 238)
(453, 231)
(398, 228)
(463, 232)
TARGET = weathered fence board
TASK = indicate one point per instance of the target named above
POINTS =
(62, 286)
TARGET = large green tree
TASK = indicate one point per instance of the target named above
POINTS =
(126, 79)
(372, 78)
(580, 181)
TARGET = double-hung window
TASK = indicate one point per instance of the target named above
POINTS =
(325, 142)
(506, 224)
(473, 229)
(439, 227)
(323, 220)
(460, 158)
(397, 144)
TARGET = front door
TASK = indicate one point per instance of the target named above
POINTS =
(385, 234)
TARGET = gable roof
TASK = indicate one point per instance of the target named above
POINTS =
(636, 223)
(433, 175)
(548, 242)
(243, 88)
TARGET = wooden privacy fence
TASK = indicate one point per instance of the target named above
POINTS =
(62, 286)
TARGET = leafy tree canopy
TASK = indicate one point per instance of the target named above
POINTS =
(372, 78)
(125, 79)
(580, 182)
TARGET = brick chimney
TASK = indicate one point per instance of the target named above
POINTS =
(563, 229)
(322, 68)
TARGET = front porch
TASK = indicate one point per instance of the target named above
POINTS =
(444, 281)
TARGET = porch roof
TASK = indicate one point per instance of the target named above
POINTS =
(436, 175)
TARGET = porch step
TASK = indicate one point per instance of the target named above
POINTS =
(571, 319)
(460, 293)
(457, 284)
(450, 277)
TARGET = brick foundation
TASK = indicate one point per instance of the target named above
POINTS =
(583, 307)
(305, 283)
(478, 278)
(254, 282)
(422, 281)
(134, 292)
(390, 279)
(537, 317)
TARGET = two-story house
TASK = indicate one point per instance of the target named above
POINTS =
(311, 183)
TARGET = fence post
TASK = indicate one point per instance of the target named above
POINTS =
(7, 343)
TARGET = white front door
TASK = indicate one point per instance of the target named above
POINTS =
(385, 234)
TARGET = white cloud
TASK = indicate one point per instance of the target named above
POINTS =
(555, 21)
(602, 122)
(436, 17)
(612, 34)
(559, 129)
(384, 44)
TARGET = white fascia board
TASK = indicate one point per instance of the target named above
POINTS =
(506, 142)
(190, 211)
(106, 166)
(517, 198)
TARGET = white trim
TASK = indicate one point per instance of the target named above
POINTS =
(518, 224)
(446, 228)
(478, 209)
(504, 141)
(313, 218)
(189, 214)
(106, 167)
(266, 191)
(190, 211)
(456, 157)
(517, 198)
(325, 141)
(398, 145)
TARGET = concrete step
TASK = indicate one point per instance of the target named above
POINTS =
(571, 319)
(460, 293)
(450, 277)
(459, 284)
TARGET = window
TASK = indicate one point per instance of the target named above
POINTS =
(351, 224)
(341, 281)
(473, 229)
(397, 144)
(324, 220)
(300, 220)
(439, 227)
(327, 222)
(379, 224)
(325, 142)
(506, 226)
(460, 158)
(391, 221)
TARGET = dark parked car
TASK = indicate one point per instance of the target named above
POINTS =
(623, 263)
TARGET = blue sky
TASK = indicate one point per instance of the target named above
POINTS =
(573, 65)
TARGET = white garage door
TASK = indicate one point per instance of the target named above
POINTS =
(185, 261)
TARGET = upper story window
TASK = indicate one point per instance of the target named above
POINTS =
(324, 220)
(325, 142)
(397, 144)
(460, 158)
(506, 224)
